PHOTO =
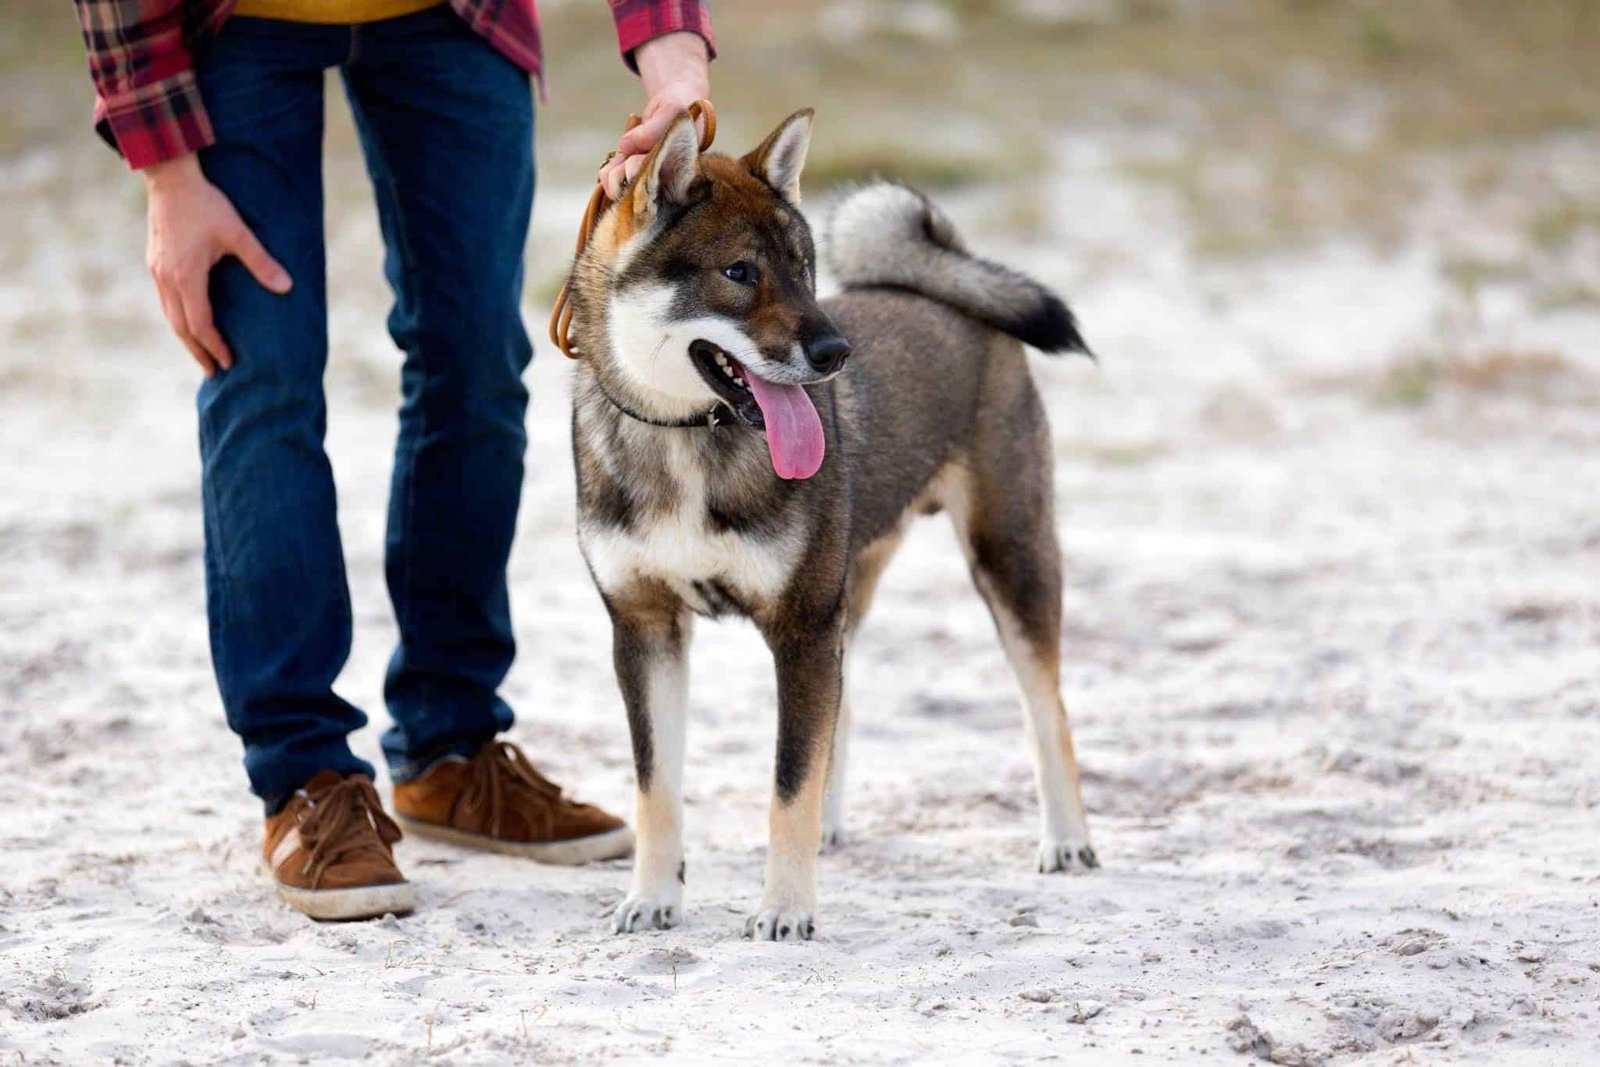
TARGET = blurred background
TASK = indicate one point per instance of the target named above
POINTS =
(1260, 125)
(1328, 503)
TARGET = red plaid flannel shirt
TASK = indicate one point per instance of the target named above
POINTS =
(141, 55)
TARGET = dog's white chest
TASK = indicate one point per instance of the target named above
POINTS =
(681, 548)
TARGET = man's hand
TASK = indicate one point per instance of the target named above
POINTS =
(675, 70)
(192, 227)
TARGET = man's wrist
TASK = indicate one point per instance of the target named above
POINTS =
(674, 57)
(169, 173)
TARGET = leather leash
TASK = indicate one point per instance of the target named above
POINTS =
(561, 314)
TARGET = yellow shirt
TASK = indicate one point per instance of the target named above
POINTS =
(338, 12)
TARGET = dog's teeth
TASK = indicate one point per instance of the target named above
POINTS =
(730, 369)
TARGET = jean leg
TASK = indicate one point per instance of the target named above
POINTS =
(446, 124)
(277, 600)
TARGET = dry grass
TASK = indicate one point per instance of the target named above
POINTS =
(1291, 119)
(1314, 117)
(1250, 73)
(41, 35)
(1472, 274)
(1448, 71)
(43, 77)
(1415, 380)
(1280, 194)
(1116, 454)
(1569, 297)
(844, 164)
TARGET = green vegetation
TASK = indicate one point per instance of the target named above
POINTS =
(1378, 39)
(1555, 226)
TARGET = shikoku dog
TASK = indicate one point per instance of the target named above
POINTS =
(729, 464)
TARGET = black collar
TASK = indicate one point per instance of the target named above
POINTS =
(719, 415)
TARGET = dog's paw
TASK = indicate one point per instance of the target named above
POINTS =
(1057, 856)
(773, 924)
(643, 911)
(832, 838)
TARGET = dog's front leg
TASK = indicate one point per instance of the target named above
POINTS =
(651, 637)
(809, 685)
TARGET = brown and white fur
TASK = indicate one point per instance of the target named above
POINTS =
(703, 274)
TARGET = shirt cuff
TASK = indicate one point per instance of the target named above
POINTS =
(157, 122)
(640, 20)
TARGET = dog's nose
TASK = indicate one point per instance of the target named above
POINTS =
(826, 352)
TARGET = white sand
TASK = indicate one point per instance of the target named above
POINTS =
(1334, 672)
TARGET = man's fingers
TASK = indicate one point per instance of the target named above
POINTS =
(611, 178)
(200, 356)
(619, 170)
(266, 270)
(203, 330)
(644, 136)
(166, 306)
(173, 309)
(636, 144)
(618, 173)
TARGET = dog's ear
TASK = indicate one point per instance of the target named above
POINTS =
(669, 172)
(779, 159)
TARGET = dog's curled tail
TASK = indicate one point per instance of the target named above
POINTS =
(891, 235)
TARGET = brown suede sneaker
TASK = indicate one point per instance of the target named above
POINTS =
(330, 850)
(498, 802)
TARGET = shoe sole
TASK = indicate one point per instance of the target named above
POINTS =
(611, 845)
(345, 905)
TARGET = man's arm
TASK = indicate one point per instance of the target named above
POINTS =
(670, 44)
(193, 226)
(144, 76)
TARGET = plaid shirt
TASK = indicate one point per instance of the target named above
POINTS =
(141, 55)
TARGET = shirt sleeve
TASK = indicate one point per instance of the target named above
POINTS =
(149, 104)
(639, 20)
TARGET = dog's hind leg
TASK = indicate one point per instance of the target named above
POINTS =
(863, 583)
(1004, 516)
(838, 762)
(651, 629)
(809, 660)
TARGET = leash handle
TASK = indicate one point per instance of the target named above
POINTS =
(561, 314)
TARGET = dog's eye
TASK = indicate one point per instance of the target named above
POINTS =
(742, 272)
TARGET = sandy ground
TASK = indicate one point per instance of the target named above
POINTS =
(1334, 647)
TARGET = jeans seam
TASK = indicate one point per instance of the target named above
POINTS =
(208, 496)
(408, 265)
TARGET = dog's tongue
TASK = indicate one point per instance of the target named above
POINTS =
(794, 432)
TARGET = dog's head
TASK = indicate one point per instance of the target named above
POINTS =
(699, 286)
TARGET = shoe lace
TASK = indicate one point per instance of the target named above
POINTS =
(345, 819)
(500, 775)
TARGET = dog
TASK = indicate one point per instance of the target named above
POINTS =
(744, 449)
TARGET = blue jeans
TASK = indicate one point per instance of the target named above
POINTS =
(446, 126)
